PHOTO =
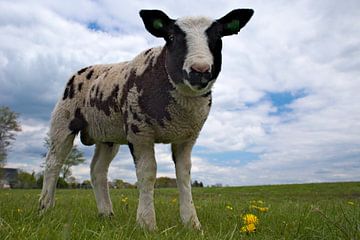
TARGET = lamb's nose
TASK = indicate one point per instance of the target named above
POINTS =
(200, 67)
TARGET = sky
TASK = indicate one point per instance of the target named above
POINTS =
(285, 106)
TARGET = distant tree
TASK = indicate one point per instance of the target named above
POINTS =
(74, 158)
(39, 180)
(8, 126)
(86, 184)
(165, 182)
(61, 183)
(72, 182)
(120, 184)
(26, 180)
(197, 184)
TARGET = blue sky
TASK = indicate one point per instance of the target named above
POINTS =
(285, 106)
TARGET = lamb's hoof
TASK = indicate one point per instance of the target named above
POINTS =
(147, 225)
(193, 223)
(45, 203)
(196, 225)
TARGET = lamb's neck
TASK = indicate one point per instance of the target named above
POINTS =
(192, 103)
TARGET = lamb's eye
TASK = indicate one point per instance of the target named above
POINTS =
(171, 38)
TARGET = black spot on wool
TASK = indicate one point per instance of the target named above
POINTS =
(134, 128)
(131, 147)
(155, 88)
(109, 103)
(126, 126)
(66, 93)
(173, 157)
(81, 71)
(78, 123)
(147, 51)
(88, 76)
(69, 90)
(136, 117)
(80, 86)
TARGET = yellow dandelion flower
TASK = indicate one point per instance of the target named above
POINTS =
(174, 200)
(124, 199)
(351, 203)
(19, 210)
(229, 207)
(249, 228)
(263, 209)
(250, 219)
(260, 202)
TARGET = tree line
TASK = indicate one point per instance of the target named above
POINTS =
(35, 180)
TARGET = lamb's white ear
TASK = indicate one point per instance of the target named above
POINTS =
(156, 22)
(232, 22)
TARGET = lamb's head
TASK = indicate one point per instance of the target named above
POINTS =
(193, 46)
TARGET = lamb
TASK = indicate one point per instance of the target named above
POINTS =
(162, 96)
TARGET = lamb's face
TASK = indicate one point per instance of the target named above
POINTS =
(193, 46)
(193, 58)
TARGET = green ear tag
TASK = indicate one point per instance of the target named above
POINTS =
(233, 26)
(157, 24)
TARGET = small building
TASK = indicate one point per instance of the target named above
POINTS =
(8, 177)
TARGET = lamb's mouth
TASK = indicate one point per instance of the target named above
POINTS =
(186, 88)
(197, 80)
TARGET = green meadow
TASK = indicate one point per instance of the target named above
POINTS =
(300, 211)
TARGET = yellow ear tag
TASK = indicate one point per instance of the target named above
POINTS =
(157, 24)
(233, 26)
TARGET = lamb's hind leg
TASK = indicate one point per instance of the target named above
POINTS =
(59, 149)
(104, 154)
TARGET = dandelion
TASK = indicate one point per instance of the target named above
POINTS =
(351, 203)
(229, 207)
(174, 200)
(19, 210)
(124, 200)
(250, 219)
(250, 228)
(263, 209)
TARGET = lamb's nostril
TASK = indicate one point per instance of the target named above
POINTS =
(200, 67)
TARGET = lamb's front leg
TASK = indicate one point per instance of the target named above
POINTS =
(182, 159)
(144, 158)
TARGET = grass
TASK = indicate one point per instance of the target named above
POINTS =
(303, 211)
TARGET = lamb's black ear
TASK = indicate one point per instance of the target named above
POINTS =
(156, 22)
(232, 22)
